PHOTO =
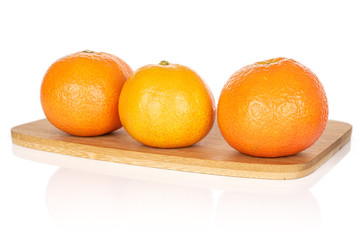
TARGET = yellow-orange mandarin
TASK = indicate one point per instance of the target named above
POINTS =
(167, 106)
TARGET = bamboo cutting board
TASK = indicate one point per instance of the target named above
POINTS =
(212, 155)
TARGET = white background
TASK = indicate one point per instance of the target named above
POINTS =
(215, 38)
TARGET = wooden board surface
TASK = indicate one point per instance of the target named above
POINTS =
(212, 155)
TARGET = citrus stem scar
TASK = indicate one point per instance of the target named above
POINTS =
(88, 51)
(164, 63)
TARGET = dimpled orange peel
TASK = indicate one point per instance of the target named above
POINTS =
(166, 106)
(80, 92)
(272, 108)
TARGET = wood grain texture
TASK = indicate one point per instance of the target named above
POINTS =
(212, 155)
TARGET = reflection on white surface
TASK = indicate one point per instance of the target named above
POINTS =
(273, 213)
(78, 199)
(95, 195)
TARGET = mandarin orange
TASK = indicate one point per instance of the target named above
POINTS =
(167, 106)
(80, 92)
(272, 108)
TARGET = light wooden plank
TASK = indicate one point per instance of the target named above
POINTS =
(212, 155)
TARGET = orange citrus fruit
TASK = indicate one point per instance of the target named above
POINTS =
(272, 108)
(80, 92)
(167, 106)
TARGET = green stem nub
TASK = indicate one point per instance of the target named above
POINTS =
(164, 63)
(88, 51)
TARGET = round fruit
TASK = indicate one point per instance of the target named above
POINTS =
(272, 108)
(167, 106)
(80, 93)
